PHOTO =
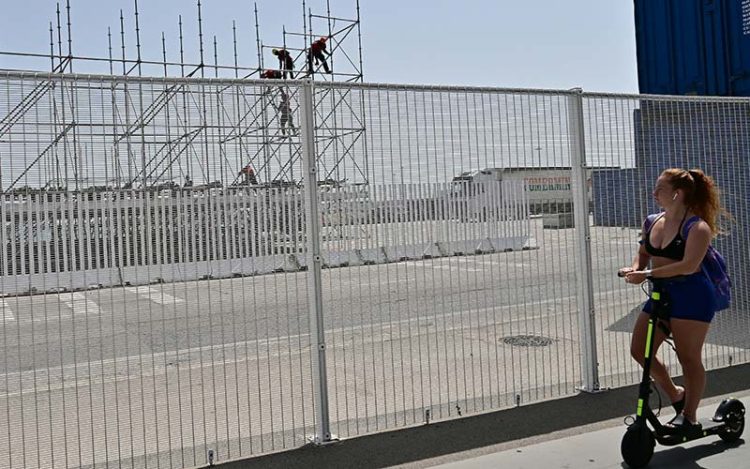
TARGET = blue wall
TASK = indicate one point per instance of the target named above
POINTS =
(614, 194)
(712, 136)
(693, 46)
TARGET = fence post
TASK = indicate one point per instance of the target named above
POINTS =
(584, 277)
(314, 266)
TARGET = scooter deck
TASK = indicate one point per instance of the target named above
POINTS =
(709, 427)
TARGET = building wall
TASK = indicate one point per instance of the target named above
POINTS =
(712, 136)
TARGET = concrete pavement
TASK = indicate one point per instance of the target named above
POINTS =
(582, 431)
(597, 446)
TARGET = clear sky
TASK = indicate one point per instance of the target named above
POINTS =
(520, 44)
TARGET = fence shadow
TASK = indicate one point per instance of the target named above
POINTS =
(729, 327)
(443, 438)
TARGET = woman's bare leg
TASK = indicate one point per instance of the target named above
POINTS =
(658, 370)
(689, 336)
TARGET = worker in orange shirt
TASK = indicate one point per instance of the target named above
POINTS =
(318, 51)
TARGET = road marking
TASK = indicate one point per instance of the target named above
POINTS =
(80, 304)
(7, 313)
(469, 260)
(155, 295)
(432, 264)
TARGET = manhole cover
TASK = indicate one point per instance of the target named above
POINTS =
(528, 340)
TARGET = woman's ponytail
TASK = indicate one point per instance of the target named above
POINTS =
(704, 200)
(701, 195)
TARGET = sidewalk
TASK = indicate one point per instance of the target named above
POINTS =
(599, 448)
(582, 431)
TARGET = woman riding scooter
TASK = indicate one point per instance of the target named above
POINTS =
(676, 269)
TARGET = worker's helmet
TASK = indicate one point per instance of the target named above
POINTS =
(323, 39)
(275, 51)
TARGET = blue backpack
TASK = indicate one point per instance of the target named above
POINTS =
(713, 265)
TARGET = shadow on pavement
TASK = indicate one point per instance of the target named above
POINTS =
(729, 327)
(437, 439)
(679, 457)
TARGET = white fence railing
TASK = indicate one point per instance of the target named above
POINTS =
(58, 241)
(460, 257)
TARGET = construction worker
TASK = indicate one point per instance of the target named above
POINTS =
(285, 114)
(188, 181)
(286, 62)
(249, 174)
(318, 51)
(271, 74)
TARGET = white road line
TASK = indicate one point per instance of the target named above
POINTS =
(428, 264)
(155, 295)
(7, 314)
(471, 260)
(462, 269)
(458, 259)
(80, 304)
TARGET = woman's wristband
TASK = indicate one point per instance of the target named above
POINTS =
(649, 273)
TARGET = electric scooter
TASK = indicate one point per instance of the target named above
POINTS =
(639, 440)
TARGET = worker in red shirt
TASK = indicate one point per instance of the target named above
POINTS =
(286, 62)
(318, 51)
(272, 74)
(249, 174)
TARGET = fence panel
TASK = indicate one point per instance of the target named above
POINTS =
(474, 307)
(137, 329)
(631, 140)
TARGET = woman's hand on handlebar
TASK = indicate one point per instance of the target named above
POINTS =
(631, 275)
(635, 276)
(624, 271)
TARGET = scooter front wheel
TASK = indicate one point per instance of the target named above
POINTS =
(637, 445)
(732, 413)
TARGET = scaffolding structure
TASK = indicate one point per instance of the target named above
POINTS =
(188, 132)
(340, 117)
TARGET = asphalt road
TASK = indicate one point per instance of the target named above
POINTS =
(51, 330)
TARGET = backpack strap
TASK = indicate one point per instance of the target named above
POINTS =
(689, 224)
(648, 223)
(650, 220)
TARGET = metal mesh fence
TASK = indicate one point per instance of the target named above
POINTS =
(480, 313)
(161, 302)
(152, 370)
(639, 137)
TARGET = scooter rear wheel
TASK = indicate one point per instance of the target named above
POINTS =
(637, 445)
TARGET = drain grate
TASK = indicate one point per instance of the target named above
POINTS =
(528, 341)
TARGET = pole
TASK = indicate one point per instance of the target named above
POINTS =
(314, 263)
(70, 39)
(585, 280)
